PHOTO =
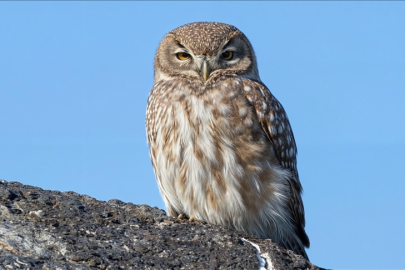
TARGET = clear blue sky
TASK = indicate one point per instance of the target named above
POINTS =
(75, 77)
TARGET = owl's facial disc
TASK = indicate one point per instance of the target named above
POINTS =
(204, 64)
(233, 55)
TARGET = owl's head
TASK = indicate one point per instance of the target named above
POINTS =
(203, 50)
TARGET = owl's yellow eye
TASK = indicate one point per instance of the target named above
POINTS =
(182, 56)
(228, 55)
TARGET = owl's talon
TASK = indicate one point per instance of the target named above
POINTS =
(182, 216)
(192, 218)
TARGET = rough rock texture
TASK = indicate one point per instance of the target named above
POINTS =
(43, 229)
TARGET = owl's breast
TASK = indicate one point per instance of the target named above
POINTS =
(211, 122)
(210, 152)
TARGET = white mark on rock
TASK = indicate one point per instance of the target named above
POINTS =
(264, 259)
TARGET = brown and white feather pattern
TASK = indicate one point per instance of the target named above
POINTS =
(223, 150)
(213, 159)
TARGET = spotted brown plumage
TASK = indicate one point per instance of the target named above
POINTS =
(221, 144)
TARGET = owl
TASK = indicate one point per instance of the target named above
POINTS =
(221, 144)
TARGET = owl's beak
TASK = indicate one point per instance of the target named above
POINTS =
(206, 70)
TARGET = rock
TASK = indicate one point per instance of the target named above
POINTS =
(43, 229)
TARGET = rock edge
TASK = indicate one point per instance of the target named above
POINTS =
(44, 229)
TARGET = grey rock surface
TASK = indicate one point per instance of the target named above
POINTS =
(43, 229)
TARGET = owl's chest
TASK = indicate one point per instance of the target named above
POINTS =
(209, 118)
(209, 148)
(211, 129)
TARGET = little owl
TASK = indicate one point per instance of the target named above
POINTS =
(221, 144)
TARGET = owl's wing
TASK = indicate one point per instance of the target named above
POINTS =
(276, 125)
(155, 116)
